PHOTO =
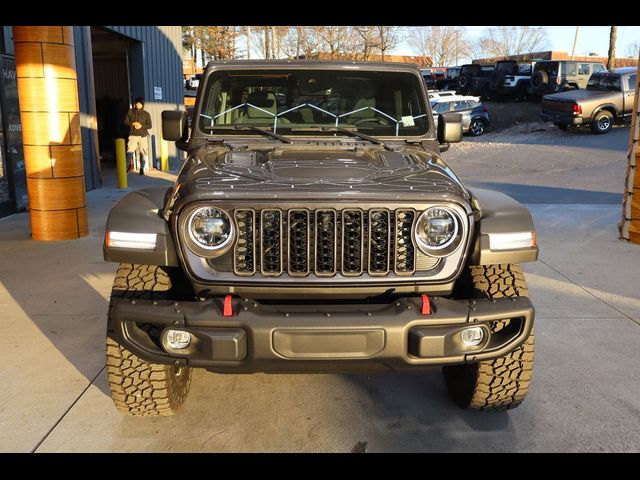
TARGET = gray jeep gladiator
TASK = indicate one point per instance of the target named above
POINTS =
(609, 97)
(314, 227)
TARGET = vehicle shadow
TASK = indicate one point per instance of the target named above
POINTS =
(542, 194)
(413, 412)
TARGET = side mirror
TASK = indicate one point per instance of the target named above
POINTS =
(449, 128)
(173, 123)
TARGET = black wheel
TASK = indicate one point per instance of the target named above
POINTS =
(477, 127)
(138, 387)
(502, 383)
(602, 122)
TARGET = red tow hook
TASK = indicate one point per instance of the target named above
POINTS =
(426, 306)
(227, 311)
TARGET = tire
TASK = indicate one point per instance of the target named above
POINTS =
(502, 383)
(539, 79)
(138, 387)
(477, 127)
(602, 122)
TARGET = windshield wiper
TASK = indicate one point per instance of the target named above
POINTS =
(261, 131)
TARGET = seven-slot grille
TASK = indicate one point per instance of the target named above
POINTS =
(324, 242)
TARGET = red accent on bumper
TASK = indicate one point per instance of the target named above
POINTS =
(426, 306)
(228, 309)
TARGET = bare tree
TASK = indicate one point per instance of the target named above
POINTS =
(445, 45)
(366, 41)
(388, 39)
(633, 49)
(611, 61)
(503, 41)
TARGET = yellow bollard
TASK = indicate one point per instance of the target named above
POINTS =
(164, 156)
(121, 162)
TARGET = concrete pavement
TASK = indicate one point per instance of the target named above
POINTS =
(585, 395)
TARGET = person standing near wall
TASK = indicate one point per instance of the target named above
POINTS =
(139, 122)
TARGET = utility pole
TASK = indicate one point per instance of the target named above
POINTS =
(248, 42)
(611, 62)
(575, 40)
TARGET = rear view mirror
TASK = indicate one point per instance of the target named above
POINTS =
(173, 123)
(449, 128)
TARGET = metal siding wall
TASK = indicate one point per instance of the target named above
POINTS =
(87, 107)
(162, 68)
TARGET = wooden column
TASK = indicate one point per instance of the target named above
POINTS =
(630, 224)
(48, 93)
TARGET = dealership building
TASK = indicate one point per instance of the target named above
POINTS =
(64, 93)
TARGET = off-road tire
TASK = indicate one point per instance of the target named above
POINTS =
(502, 383)
(602, 122)
(138, 387)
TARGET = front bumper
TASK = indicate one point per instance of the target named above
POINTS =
(559, 118)
(323, 338)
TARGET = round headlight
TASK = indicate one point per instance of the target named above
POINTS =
(210, 228)
(436, 229)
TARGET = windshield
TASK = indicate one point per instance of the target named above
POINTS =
(603, 81)
(452, 73)
(299, 101)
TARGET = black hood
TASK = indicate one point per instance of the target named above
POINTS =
(319, 174)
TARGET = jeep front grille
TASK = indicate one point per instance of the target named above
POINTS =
(325, 242)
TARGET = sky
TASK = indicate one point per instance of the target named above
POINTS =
(590, 39)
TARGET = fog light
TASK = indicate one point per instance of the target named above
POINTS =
(178, 339)
(472, 336)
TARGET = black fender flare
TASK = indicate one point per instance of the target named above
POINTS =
(141, 212)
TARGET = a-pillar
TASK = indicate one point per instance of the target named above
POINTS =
(48, 94)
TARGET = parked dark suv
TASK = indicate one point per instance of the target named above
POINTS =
(511, 79)
(320, 233)
(551, 76)
(474, 79)
(450, 79)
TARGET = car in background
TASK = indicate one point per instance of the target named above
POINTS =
(474, 79)
(475, 116)
(440, 93)
(511, 79)
(450, 79)
(608, 98)
(432, 74)
(551, 76)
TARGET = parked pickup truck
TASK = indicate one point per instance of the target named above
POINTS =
(609, 97)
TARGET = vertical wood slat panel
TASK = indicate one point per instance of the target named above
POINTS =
(49, 104)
